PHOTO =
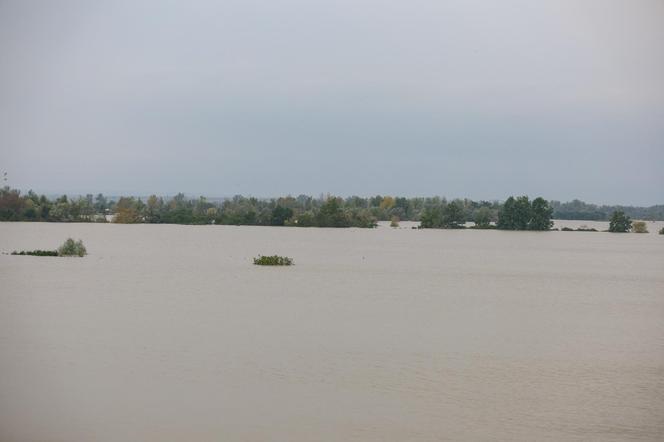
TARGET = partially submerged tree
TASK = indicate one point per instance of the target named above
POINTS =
(332, 215)
(280, 215)
(432, 217)
(541, 213)
(483, 218)
(619, 222)
(520, 214)
(453, 215)
(515, 214)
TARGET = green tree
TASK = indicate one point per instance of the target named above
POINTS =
(332, 215)
(515, 214)
(483, 217)
(431, 218)
(153, 209)
(362, 218)
(305, 219)
(523, 213)
(453, 215)
(507, 215)
(619, 222)
(280, 215)
(10, 204)
(541, 214)
(101, 204)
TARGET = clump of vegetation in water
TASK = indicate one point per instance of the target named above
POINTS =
(273, 260)
(661, 231)
(395, 221)
(68, 248)
(36, 252)
(72, 248)
(639, 227)
(586, 229)
(579, 229)
(620, 223)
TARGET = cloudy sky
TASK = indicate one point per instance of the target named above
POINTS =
(479, 99)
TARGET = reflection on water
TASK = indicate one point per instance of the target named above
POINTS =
(169, 333)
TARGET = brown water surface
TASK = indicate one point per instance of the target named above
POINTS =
(169, 333)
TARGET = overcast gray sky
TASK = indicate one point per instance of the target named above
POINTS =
(479, 99)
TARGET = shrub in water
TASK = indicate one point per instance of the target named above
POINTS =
(661, 231)
(72, 248)
(273, 260)
(639, 227)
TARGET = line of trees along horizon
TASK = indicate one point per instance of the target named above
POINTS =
(306, 211)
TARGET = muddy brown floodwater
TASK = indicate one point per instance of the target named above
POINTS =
(169, 333)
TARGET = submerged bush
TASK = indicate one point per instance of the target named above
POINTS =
(36, 252)
(273, 260)
(583, 228)
(661, 231)
(72, 248)
(639, 227)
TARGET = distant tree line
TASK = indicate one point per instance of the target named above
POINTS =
(33, 207)
(584, 211)
(305, 211)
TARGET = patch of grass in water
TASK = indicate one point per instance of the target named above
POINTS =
(274, 260)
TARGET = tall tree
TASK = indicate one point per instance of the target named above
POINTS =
(541, 213)
(507, 215)
(331, 214)
(483, 217)
(453, 215)
(280, 215)
(516, 214)
(431, 217)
